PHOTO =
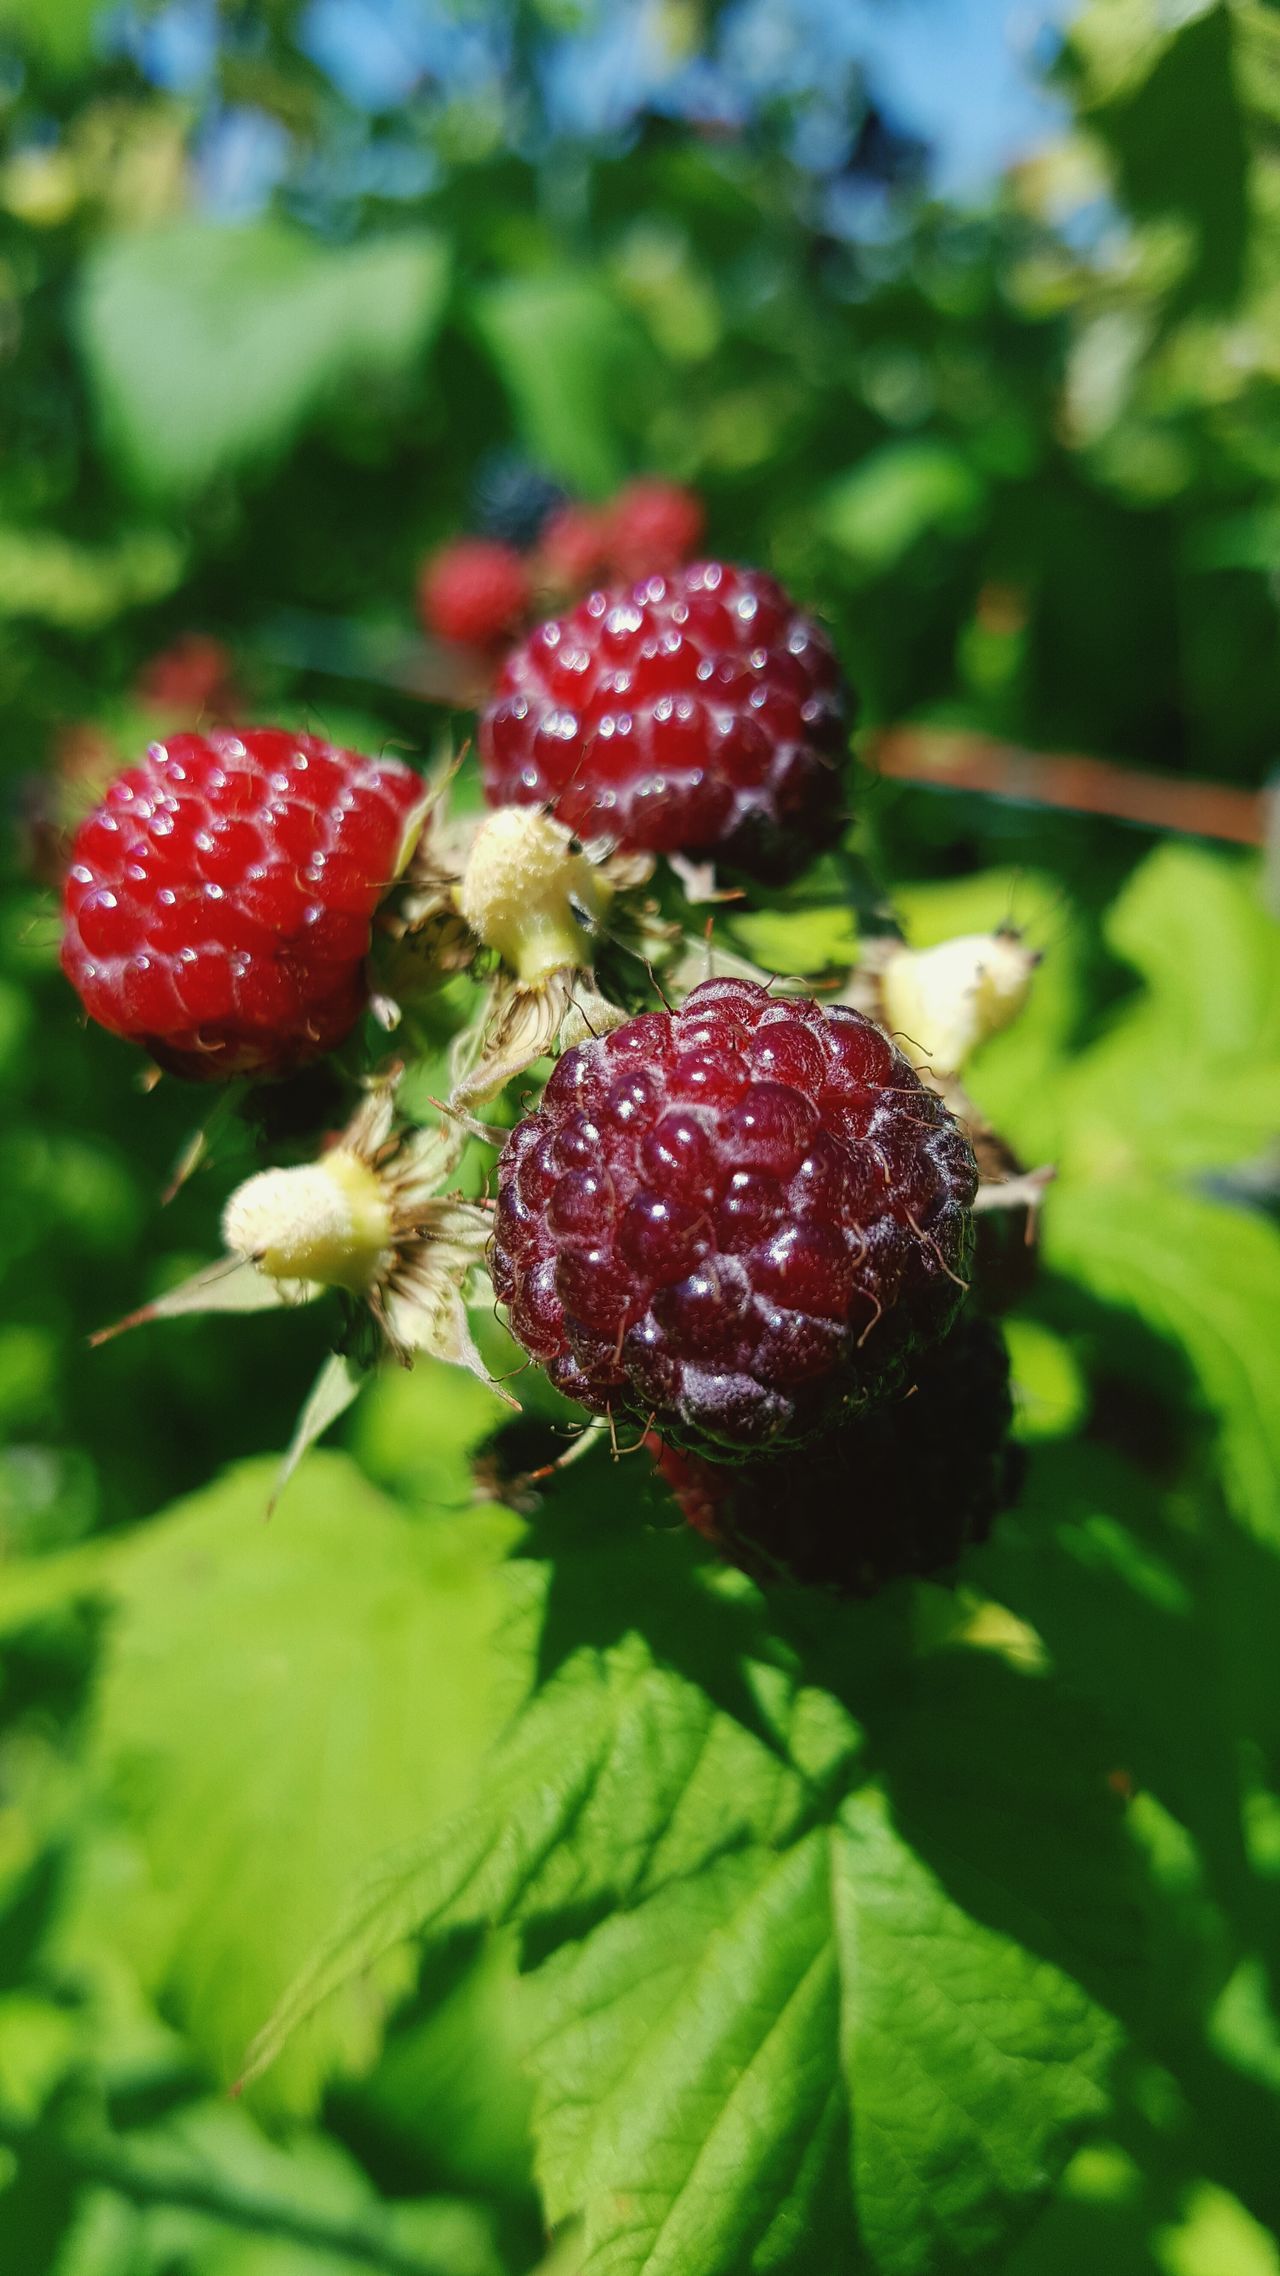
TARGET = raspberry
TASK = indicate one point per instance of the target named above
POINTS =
(195, 674)
(653, 526)
(733, 1220)
(698, 714)
(474, 591)
(574, 549)
(901, 1490)
(219, 901)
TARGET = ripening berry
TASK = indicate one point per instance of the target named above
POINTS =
(653, 526)
(573, 552)
(474, 592)
(219, 903)
(699, 714)
(899, 1491)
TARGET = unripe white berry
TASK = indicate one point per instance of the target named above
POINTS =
(328, 1222)
(941, 1003)
(526, 890)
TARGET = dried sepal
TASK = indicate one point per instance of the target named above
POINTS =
(369, 1220)
(229, 1285)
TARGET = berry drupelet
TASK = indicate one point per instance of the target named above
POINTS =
(696, 713)
(219, 902)
(735, 1220)
(897, 1492)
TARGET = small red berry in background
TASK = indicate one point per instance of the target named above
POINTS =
(700, 713)
(195, 674)
(219, 903)
(474, 591)
(574, 550)
(653, 526)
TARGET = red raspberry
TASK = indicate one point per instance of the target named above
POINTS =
(653, 526)
(901, 1490)
(574, 548)
(734, 1219)
(698, 714)
(474, 591)
(219, 901)
(194, 674)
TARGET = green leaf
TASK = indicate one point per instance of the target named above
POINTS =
(815, 1967)
(208, 348)
(1207, 1277)
(277, 1699)
(561, 344)
(208, 2190)
(1188, 1073)
(81, 588)
(900, 494)
(59, 31)
(1139, 88)
(338, 1385)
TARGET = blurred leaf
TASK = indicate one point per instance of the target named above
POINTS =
(61, 31)
(212, 2192)
(450, 2084)
(38, 2044)
(1174, 70)
(47, 577)
(1050, 1393)
(207, 347)
(561, 344)
(1215, 2237)
(902, 493)
(278, 1699)
(1188, 1074)
(417, 1427)
(1208, 1277)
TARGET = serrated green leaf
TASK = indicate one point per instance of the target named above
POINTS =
(812, 1970)
(207, 347)
(276, 1699)
(968, 2058)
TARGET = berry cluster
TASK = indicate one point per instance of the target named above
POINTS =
(743, 1224)
(536, 544)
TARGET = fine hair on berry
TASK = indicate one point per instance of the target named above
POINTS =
(219, 901)
(897, 1492)
(698, 713)
(735, 1220)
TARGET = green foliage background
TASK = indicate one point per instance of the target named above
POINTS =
(623, 1919)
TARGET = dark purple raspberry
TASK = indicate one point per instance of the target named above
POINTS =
(697, 713)
(733, 1220)
(901, 1490)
